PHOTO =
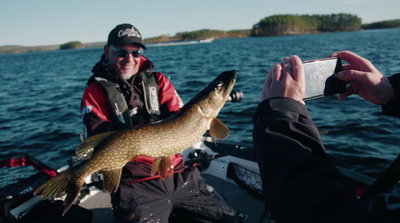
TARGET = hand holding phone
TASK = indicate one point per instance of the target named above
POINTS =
(320, 78)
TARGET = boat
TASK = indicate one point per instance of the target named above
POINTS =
(229, 167)
(177, 43)
(209, 40)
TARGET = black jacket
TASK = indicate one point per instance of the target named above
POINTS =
(300, 183)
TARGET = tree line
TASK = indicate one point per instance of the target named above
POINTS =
(382, 25)
(71, 45)
(200, 34)
(302, 24)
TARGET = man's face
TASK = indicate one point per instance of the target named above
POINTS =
(126, 66)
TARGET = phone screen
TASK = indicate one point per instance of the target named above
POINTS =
(320, 78)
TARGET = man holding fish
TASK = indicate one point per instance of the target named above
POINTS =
(123, 93)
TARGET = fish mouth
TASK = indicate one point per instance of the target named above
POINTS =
(222, 84)
(225, 81)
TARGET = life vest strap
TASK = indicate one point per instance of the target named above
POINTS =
(120, 112)
(151, 100)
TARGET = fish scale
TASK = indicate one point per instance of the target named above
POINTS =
(109, 152)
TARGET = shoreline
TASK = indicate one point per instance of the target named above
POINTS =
(15, 49)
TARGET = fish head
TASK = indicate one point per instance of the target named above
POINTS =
(211, 99)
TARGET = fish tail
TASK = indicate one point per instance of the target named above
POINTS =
(60, 185)
(74, 187)
(54, 187)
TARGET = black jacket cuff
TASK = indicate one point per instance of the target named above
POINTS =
(280, 104)
(392, 108)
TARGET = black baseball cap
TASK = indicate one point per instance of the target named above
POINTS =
(124, 34)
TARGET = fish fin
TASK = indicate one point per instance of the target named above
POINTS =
(59, 185)
(164, 167)
(155, 166)
(218, 130)
(111, 179)
(86, 148)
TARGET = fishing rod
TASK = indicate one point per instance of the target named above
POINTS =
(386, 181)
(208, 158)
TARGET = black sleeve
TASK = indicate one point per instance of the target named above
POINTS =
(300, 183)
(95, 125)
(393, 106)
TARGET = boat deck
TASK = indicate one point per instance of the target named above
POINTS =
(239, 198)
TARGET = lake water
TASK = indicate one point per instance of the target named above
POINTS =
(40, 93)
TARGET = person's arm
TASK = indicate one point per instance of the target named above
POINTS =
(169, 99)
(95, 111)
(300, 184)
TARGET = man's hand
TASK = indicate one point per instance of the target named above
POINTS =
(364, 79)
(286, 79)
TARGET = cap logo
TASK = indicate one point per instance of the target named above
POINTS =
(129, 33)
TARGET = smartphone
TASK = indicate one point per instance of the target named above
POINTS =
(321, 78)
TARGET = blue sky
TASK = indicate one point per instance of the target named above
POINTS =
(47, 22)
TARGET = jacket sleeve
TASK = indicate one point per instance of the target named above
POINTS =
(169, 99)
(393, 106)
(300, 183)
(95, 112)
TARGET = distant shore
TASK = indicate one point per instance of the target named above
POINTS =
(277, 25)
(183, 36)
(32, 49)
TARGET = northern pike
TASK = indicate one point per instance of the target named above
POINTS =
(109, 152)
